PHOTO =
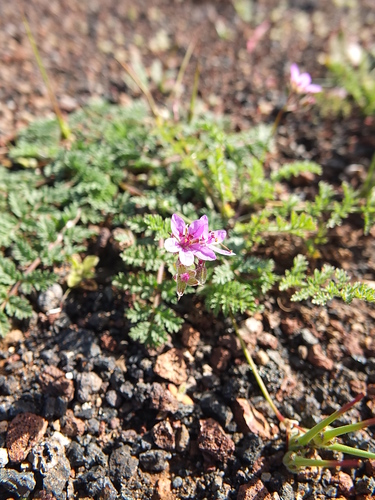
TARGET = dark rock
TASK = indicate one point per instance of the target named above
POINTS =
(212, 406)
(54, 407)
(98, 321)
(87, 383)
(102, 488)
(308, 338)
(95, 455)
(50, 356)
(5, 407)
(85, 413)
(141, 445)
(9, 385)
(48, 458)
(97, 484)
(105, 366)
(117, 379)
(249, 449)
(107, 414)
(76, 454)
(122, 465)
(20, 484)
(365, 486)
(78, 341)
(147, 366)
(183, 411)
(286, 492)
(154, 460)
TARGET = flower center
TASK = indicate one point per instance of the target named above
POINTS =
(185, 277)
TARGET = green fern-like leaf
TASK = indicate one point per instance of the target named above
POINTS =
(294, 169)
(149, 334)
(233, 297)
(4, 324)
(295, 276)
(18, 307)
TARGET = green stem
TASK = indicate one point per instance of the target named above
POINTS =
(345, 429)
(294, 462)
(309, 435)
(254, 369)
(350, 450)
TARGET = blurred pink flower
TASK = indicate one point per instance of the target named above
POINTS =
(301, 82)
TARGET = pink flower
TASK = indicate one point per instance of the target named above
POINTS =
(186, 240)
(194, 240)
(301, 82)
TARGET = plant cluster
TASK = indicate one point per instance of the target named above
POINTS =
(157, 184)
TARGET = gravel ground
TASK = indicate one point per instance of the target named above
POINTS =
(87, 413)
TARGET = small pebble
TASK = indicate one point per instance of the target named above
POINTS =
(177, 482)
(3, 457)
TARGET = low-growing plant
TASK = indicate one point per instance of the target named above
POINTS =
(126, 170)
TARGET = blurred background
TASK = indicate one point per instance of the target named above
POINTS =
(243, 48)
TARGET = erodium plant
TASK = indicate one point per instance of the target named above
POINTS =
(155, 185)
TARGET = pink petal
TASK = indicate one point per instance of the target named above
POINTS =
(313, 88)
(221, 250)
(217, 236)
(205, 253)
(197, 227)
(172, 245)
(186, 257)
(178, 226)
(304, 81)
(294, 73)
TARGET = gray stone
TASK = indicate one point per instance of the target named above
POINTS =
(308, 338)
(76, 454)
(3, 457)
(113, 399)
(48, 458)
(98, 485)
(87, 383)
(154, 460)
(286, 492)
(95, 455)
(177, 482)
(17, 483)
(122, 465)
(51, 298)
